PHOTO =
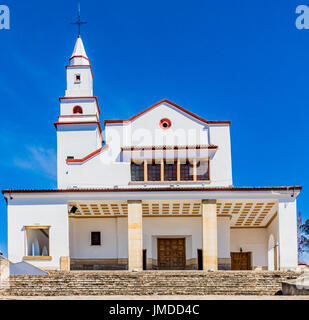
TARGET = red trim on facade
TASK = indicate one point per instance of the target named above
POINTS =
(164, 189)
(79, 57)
(81, 122)
(79, 66)
(79, 115)
(173, 104)
(303, 264)
(81, 98)
(88, 156)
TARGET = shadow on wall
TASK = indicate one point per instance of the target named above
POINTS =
(25, 269)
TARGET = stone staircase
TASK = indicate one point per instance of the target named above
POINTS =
(149, 283)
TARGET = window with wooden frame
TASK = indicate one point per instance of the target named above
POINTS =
(137, 171)
(95, 238)
(154, 171)
(37, 243)
(202, 170)
(186, 171)
(170, 171)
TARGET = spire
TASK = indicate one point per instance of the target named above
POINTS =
(79, 49)
(79, 22)
(79, 56)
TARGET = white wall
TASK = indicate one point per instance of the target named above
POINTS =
(221, 164)
(109, 168)
(254, 240)
(77, 141)
(95, 172)
(223, 225)
(82, 88)
(287, 220)
(114, 236)
(44, 212)
(185, 130)
(89, 106)
(273, 240)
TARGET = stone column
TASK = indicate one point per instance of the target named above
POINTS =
(135, 235)
(209, 234)
(64, 263)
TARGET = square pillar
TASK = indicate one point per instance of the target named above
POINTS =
(287, 231)
(64, 263)
(135, 235)
(209, 234)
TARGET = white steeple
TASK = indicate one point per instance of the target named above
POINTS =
(79, 132)
(79, 56)
(79, 73)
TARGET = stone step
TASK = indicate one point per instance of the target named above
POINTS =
(149, 283)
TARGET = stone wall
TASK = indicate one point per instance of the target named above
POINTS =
(4, 273)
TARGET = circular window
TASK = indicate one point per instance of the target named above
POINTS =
(77, 109)
(165, 123)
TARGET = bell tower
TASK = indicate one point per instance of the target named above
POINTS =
(78, 128)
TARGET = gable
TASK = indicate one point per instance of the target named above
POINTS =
(146, 127)
(176, 117)
(172, 104)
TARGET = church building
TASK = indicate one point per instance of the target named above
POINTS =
(154, 191)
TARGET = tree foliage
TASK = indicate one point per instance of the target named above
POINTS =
(304, 244)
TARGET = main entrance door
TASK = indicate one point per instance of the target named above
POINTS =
(241, 261)
(171, 254)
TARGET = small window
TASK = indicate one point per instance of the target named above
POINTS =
(154, 171)
(37, 241)
(186, 171)
(170, 171)
(77, 110)
(202, 170)
(77, 78)
(137, 171)
(96, 238)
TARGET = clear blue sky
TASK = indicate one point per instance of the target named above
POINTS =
(243, 61)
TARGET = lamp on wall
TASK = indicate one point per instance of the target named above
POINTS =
(73, 209)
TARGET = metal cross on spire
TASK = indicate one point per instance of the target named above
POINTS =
(78, 22)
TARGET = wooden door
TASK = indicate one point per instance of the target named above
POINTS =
(241, 261)
(171, 254)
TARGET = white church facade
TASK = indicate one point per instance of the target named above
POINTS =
(154, 191)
